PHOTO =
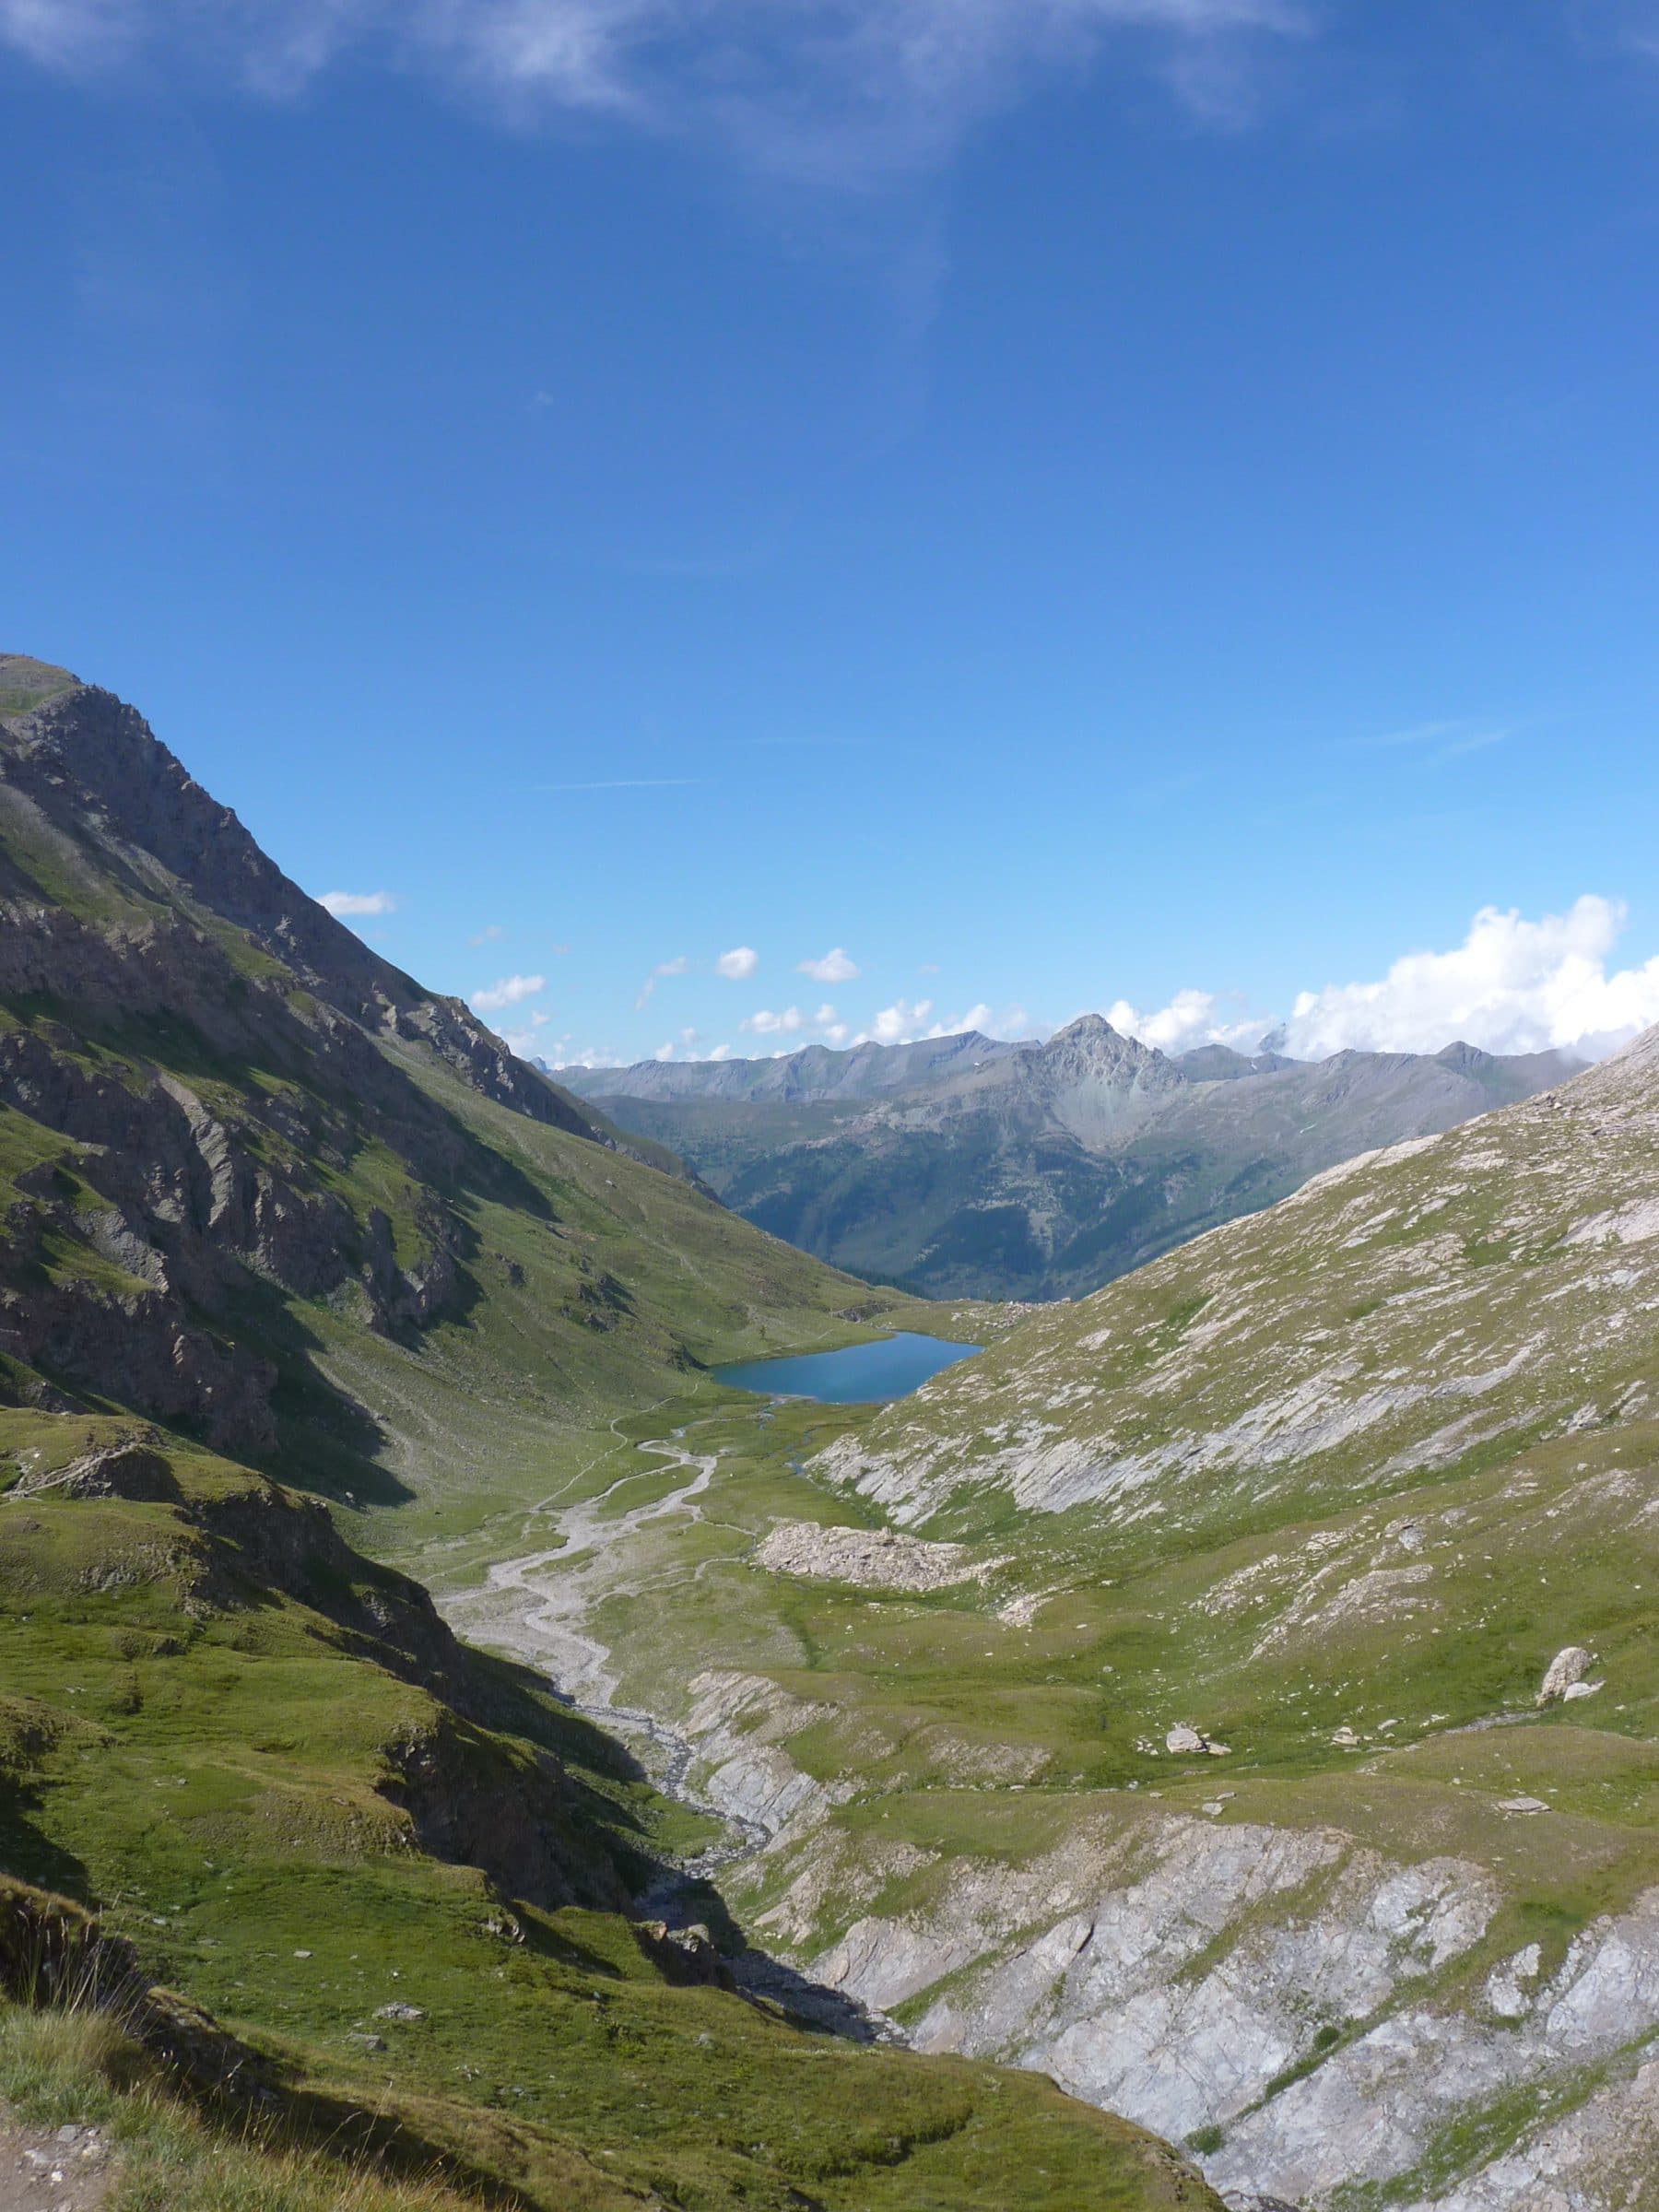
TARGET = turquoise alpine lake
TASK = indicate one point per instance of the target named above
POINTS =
(859, 1374)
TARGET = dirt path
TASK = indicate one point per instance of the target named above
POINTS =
(51, 2169)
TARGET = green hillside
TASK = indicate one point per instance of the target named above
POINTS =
(299, 1803)
(381, 1919)
(1328, 1489)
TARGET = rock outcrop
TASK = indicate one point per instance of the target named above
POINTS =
(203, 1064)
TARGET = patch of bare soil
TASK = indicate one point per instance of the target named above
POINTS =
(51, 2169)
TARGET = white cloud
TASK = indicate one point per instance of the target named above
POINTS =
(765, 1024)
(524, 1041)
(1191, 1019)
(345, 904)
(837, 89)
(486, 935)
(1511, 986)
(675, 967)
(906, 1021)
(511, 991)
(738, 964)
(901, 1022)
(1012, 1023)
(834, 967)
(590, 1056)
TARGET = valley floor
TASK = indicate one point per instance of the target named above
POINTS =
(1397, 1946)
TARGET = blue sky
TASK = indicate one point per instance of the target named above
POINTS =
(1045, 503)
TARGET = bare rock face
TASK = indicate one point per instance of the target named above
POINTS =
(1565, 1673)
(687, 1955)
(875, 1559)
(1188, 1742)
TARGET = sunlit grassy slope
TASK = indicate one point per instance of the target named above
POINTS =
(1333, 1485)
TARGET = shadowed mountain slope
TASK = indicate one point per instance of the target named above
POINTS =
(234, 1141)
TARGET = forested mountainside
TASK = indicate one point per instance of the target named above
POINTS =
(965, 1168)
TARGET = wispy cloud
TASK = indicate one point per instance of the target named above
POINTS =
(346, 905)
(839, 90)
(511, 991)
(677, 966)
(1435, 742)
(486, 935)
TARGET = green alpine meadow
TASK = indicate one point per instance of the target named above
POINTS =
(458, 1749)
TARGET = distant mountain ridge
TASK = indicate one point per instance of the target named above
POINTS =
(965, 1166)
(816, 1073)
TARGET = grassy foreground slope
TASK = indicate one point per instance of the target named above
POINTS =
(1328, 1489)
(397, 1875)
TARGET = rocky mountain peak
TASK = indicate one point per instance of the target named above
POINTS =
(145, 831)
(25, 683)
(1091, 1046)
(1467, 1057)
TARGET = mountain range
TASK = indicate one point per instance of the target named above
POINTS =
(964, 1167)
